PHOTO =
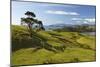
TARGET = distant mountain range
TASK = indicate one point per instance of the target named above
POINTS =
(55, 26)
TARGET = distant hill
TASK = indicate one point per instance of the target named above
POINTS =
(59, 26)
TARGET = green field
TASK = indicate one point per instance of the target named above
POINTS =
(49, 47)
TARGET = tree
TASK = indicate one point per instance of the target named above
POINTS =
(30, 20)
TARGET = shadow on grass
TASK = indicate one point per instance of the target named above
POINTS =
(31, 43)
(25, 43)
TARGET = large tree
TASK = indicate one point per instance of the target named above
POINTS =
(30, 20)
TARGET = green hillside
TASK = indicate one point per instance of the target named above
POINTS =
(48, 47)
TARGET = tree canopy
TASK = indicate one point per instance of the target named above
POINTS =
(30, 21)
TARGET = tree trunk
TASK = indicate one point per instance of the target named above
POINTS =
(30, 30)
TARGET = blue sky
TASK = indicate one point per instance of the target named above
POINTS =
(54, 13)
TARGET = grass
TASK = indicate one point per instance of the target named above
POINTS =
(90, 41)
(59, 47)
(43, 56)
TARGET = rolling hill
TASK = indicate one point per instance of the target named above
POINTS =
(49, 47)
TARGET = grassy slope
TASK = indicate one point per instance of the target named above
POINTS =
(72, 53)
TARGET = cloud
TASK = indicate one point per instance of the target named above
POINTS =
(84, 20)
(90, 19)
(61, 12)
(76, 19)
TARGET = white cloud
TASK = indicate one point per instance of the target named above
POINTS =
(61, 12)
(85, 20)
(90, 19)
(76, 19)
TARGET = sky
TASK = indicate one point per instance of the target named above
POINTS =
(50, 13)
